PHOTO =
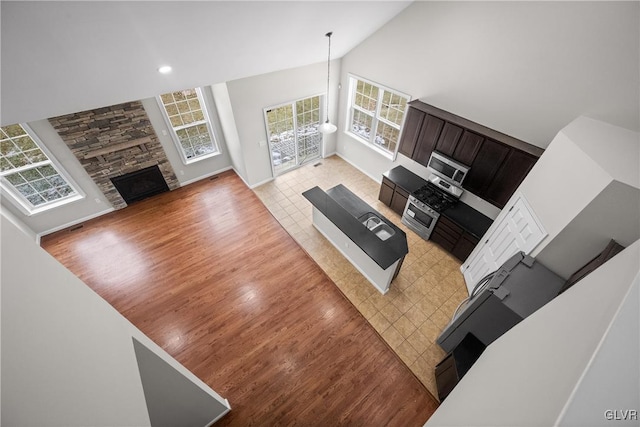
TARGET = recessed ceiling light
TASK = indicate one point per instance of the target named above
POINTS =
(165, 69)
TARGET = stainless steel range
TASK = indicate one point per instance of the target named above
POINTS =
(425, 204)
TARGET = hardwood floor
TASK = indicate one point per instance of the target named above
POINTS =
(207, 273)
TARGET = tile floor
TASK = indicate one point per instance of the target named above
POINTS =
(421, 299)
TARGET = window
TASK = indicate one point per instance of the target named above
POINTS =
(186, 113)
(28, 173)
(376, 114)
(293, 133)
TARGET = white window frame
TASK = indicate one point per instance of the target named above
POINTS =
(375, 118)
(8, 190)
(207, 121)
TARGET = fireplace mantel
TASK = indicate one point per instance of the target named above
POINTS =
(117, 147)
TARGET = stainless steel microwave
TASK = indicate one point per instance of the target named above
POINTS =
(448, 169)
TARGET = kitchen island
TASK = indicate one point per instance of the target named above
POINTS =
(371, 242)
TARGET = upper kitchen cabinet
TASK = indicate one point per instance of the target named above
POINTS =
(468, 147)
(498, 162)
(511, 173)
(449, 139)
(411, 131)
(485, 166)
(420, 135)
(427, 139)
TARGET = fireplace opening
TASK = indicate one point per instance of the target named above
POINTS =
(140, 184)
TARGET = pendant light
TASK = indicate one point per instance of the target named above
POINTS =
(327, 127)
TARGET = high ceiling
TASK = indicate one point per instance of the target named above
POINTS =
(64, 57)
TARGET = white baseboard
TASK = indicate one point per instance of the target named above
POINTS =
(241, 177)
(260, 183)
(191, 181)
(72, 223)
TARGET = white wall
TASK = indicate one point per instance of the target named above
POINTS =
(523, 68)
(250, 96)
(228, 127)
(561, 184)
(611, 381)
(574, 192)
(612, 214)
(615, 149)
(19, 224)
(527, 376)
(67, 355)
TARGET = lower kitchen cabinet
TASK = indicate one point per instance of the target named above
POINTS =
(464, 246)
(399, 201)
(453, 238)
(386, 191)
(393, 195)
(446, 233)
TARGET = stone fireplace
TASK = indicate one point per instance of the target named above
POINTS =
(113, 142)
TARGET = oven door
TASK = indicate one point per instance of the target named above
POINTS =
(419, 220)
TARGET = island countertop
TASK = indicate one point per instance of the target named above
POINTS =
(343, 208)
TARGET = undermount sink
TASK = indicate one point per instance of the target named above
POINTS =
(377, 226)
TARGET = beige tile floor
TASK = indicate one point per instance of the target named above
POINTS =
(422, 298)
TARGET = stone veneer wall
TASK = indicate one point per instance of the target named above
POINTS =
(114, 141)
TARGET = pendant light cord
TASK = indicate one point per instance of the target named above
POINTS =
(328, 72)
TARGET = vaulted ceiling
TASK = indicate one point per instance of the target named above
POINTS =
(69, 56)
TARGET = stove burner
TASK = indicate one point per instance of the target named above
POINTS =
(437, 199)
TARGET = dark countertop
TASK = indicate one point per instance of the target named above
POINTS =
(462, 214)
(468, 218)
(406, 179)
(343, 208)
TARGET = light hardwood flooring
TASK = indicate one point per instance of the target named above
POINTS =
(422, 298)
(208, 274)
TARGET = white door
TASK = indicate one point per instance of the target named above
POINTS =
(516, 229)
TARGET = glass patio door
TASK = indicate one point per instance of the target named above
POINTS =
(293, 134)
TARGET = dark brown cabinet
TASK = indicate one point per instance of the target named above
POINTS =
(411, 131)
(453, 238)
(399, 201)
(468, 147)
(393, 195)
(511, 173)
(498, 162)
(449, 139)
(446, 233)
(485, 166)
(464, 246)
(386, 191)
(428, 139)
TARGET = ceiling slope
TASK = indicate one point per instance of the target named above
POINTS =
(64, 57)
